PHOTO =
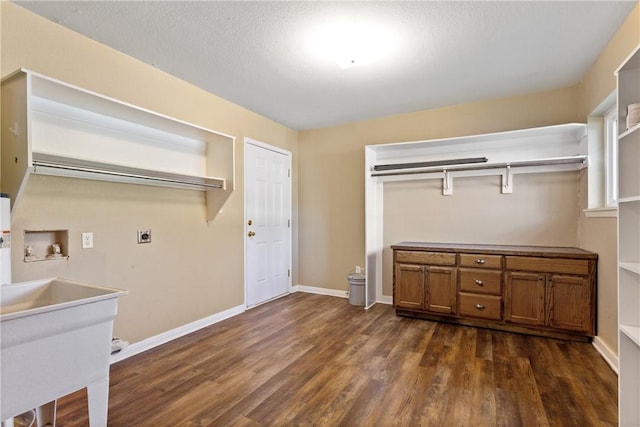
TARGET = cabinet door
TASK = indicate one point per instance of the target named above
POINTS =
(569, 303)
(441, 289)
(408, 286)
(524, 298)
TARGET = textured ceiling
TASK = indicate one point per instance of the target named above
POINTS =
(257, 55)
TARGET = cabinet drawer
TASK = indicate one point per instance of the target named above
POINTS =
(548, 265)
(475, 305)
(481, 261)
(480, 281)
(432, 258)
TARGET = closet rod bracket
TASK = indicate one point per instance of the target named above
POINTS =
(447, 183)
(507, 180)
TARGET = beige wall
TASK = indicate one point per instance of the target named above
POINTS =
(599, 81)
(191, 270)
(332, 180)
(600, 234)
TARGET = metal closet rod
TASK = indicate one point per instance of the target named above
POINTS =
(523, 163)
(430, 164)
(37, 164)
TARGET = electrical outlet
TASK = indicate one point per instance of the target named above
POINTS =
(87, 240)
(144, 236)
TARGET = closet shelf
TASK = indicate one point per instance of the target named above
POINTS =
(632, 332)
(628, 155)
(55, 128)
(537, 150)
(504, 169)
(633, 267)
(629, 131)
(629, 199)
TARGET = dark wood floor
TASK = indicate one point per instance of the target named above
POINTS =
(315, 360)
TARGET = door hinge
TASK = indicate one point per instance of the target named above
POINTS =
(288, 273)
(289, 173)
(289, 223)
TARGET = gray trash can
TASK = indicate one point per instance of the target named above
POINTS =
(356, 288)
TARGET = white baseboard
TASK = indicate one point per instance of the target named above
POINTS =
(320, 291)
(382, 299)
(385, 299)
(154, 341)
(607, 354)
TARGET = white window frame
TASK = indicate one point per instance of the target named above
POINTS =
(611, 158)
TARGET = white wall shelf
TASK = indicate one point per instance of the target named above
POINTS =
(628, 91)
(633, 267)
(630, 131)
(537, 150)
(506, 170)
(54, 128)
(632, 332)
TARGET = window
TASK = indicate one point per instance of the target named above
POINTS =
(611, 158)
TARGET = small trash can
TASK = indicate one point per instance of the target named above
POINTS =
(356, 288)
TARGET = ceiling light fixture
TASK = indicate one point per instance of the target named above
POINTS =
(352, 44)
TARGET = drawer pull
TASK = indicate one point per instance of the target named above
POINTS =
(480, 261)
(480, 307)
(479, 282)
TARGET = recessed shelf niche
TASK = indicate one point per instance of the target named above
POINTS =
(39, 245)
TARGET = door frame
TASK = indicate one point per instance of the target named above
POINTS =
(264, 146)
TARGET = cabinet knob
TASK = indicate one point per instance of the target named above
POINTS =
(480, 307)
(480, 261)
(479, 282)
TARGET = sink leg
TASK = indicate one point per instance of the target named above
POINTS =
(46, 414)
(98, 398)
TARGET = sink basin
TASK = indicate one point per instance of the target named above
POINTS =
(55, 338)
(25, 299)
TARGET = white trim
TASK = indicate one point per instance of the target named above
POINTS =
(320, 291)
(385, 299)
(382, 299)
(267, 146)
(607, 354)
(164, 337)
(611, 157)
(611, 212)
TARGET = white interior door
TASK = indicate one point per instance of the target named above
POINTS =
(267, 222)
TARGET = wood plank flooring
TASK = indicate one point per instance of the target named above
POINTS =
(311, 360)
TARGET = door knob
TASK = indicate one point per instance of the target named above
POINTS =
(251, 234)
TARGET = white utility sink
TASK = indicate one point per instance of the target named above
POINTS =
(55, 339)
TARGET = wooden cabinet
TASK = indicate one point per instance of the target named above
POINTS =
(480, 286)
(537, 290)
(423, 282)
(440, 285)
(556, 301)
(409, 291)
(524, 298)
(566, 303)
